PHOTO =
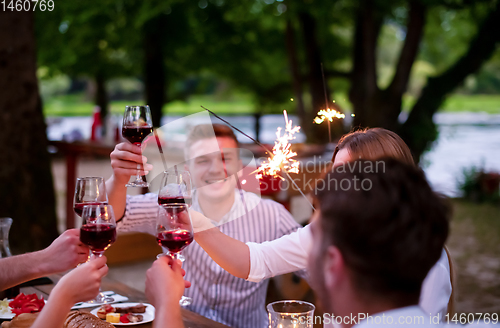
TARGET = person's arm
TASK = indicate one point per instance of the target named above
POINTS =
(253, 261)
(63, 254)
(124, 160)
(231, 254)
(164, 288)
(286, 254)
(436, 288)
(81, 284)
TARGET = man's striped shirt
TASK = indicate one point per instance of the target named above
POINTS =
(217, 294)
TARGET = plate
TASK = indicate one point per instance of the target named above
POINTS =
(148, 316)
(9, 315)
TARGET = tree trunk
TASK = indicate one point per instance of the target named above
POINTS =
(319, 133)
(296, 78)
(101, 98)
(27, 191)
(419, 130)
(154, 68)
(364, 75)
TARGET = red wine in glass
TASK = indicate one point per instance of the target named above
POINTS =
(98, 237)
(79, 206)
(166, 200)
(176, 240)
(136, 134)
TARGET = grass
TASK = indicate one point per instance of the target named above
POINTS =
(76, 105)
(474, 244)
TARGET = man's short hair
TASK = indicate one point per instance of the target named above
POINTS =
(207, 131)
(390, 235)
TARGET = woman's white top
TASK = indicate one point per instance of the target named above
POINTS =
(290, 253)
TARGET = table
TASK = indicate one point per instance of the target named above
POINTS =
(191, 319)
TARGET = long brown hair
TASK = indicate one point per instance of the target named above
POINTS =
(373, 144)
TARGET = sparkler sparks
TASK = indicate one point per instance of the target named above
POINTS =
(282, 158)
(328, 114)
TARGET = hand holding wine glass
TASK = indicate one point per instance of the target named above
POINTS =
(98, 232)
(174, 232)
(137, 125)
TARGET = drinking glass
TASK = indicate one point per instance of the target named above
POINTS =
(291, 314)
(98, 232)
(174, 231)
(137, 125)
(175, 189)
(89, 191)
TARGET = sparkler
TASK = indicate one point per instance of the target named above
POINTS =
(282, 158)
(281, 151)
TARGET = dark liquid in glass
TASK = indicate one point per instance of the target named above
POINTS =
(175, 241)
(79, 206)
(98, 236)
(167, 200)
(136, 134)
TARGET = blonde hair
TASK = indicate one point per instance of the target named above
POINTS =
(374, 144)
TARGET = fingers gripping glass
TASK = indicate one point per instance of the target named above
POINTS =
(174, 232)
(98, 232)
(137, 125)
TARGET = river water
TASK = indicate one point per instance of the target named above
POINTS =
(465, 140)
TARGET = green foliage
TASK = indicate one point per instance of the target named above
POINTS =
(477, 185)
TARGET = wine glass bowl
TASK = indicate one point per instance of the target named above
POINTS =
(174, 230)
(89, 191)
(175, 188)
(137, 125)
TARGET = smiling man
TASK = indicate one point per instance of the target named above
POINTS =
(216, 294)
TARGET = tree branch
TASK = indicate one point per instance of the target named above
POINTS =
(419, 129)
(416, 23)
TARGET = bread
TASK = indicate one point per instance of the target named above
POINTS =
(24, 320)
(80, 319)
(75, 319)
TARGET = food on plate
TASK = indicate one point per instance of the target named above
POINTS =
(4, 307)
(126, 314)
(103, 310)
(130, 318)
(24, 320)
(80, 319)
(139, 308)
(26, 304)
(113, 317)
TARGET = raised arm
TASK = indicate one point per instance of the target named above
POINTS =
(231, 254)
(63, 254)
(253, 261)
(124, 160)
(81, 284)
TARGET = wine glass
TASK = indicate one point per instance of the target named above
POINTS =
(98, 232)
(174, 231)
(89, 191)
(175, 189)
(137, 125)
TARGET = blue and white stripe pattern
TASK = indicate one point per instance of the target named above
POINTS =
(217, 294)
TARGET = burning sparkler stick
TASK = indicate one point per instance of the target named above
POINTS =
(281, 156)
